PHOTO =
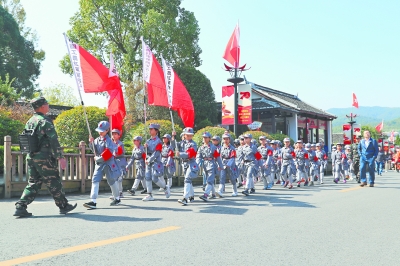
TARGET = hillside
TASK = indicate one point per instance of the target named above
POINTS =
(370, 116)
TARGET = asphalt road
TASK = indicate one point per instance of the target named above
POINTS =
(330, 224)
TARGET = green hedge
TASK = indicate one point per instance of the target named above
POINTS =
(13, 148)
(214, 131)
(10, 127)
(71, 125)
(280, 137)
(257, 134)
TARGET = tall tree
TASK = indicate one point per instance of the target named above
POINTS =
(105, 26)
(18, 56)
(201, 92)
(116, 26)
(60, 94)
(7, 91)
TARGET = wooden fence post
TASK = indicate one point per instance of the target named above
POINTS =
(7, 167)
(82, 166)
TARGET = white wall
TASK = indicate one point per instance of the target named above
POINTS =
(292, 126)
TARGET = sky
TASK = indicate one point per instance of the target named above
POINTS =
(320, 50)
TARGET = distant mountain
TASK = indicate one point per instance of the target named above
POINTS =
(367, 116)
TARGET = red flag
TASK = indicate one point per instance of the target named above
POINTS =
(379, 127)
(154, 77)
(179, 98)
(90, 74)
(116, 104)
(355, 101)
(232, 50)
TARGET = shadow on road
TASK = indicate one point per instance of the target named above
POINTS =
(96, 218)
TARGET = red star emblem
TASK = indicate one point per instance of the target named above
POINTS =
(194, 166)
(113, 165)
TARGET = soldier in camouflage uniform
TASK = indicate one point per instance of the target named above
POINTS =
(356, 159)
(42, 163)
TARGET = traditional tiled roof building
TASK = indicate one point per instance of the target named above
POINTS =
(281, 112)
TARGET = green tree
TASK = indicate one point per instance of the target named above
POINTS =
(374, 134)
(7, 93)
(201, 92)
(60, 94)
(18, 56)
(214, 131)
(105, 26)
(116, 26)
(9, 126)
(397, 140)
(71, 125)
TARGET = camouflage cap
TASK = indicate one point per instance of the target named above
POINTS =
(38, 102)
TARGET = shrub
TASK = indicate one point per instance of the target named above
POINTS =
(219, 131)
(257, 134)
(140, 130)
(280, 137)
(205, 123)
(9, 126)
(71, 125)
(13, 148)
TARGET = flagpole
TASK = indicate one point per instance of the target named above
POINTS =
(80, 95)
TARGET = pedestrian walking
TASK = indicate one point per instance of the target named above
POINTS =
(43, 161)
(138, 157)
(104, 149)
(368, 151)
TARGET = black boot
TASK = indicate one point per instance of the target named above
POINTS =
(22, 213)
(67, 208)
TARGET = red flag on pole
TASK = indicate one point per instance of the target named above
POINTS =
(179, 98)
(379, 127)
(355, 101)
(116, 104)
(154, 77)
(232, 50)
(91, 75)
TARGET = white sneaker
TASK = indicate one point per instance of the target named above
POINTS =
(121, 195)
(167, 192)
(321, 182)
(234, 194)
(219, 194)
(148, 198)
(161, 189)
(111, 197)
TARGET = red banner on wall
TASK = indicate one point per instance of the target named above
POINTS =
(244, 104)
(228, 105)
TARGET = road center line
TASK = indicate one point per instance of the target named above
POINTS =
(86, 246)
